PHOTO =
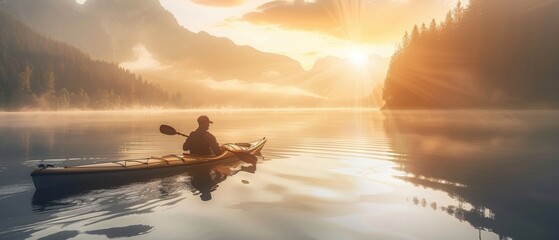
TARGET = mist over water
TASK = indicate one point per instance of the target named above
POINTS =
(323, 174)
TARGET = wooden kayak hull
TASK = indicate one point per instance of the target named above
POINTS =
(103, 175)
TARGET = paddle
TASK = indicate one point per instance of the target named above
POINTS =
(168, 130)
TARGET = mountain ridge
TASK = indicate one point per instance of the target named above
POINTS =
(118, 26)
(37, 72)
(183, 59)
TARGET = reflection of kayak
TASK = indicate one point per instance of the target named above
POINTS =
(114, 173)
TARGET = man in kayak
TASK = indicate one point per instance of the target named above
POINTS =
(201, 142)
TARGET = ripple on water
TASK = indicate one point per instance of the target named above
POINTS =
(340, 175)
(9, 190)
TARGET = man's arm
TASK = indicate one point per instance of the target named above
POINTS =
(186, 145)
(213, 144)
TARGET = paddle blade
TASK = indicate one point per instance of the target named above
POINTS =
(168, 130)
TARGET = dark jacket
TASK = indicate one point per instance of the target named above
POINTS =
(201, 143)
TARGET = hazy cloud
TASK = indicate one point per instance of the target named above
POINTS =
(241, 86)
(297, 15)
(144, 60)
(219, 3)
(356, 20)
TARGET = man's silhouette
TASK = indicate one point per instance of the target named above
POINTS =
(201, 142)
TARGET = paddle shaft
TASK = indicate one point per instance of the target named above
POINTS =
(184, 135)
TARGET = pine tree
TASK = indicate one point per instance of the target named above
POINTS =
(493, 53)
(36, 71)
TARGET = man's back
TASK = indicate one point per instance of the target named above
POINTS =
(201, 142)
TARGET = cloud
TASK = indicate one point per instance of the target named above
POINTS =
(144, 60)
(297, 15)
(219, 3)
(241, 86)
(378, 21)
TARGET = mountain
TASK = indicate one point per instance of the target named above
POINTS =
(491, 54)
(65, 21)
(146, 22)
(209, 70)
(110, 29)
(38, 72)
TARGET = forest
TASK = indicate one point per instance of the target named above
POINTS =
(488, 54)
(39, 73)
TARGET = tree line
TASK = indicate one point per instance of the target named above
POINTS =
(491, 53)
(38, 72)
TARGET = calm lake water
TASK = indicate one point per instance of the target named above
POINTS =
(324, 174)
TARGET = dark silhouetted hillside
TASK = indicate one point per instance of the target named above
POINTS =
(110, 29)
(37, 72)
(490, 54)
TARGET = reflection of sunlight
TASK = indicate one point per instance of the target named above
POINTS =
(373, 168)
(434, 180)
(327, 194)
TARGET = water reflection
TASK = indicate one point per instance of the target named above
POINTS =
(501, 167)
(204, 180)
(118, 232)
(63, 235)
(114, 232)
(91, 207)
(329, 174)
(200, 179)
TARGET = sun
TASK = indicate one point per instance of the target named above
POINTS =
(358, 58)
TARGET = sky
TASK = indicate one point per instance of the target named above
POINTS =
(307, 30)
(363, 32)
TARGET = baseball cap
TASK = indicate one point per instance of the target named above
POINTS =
(204, 119)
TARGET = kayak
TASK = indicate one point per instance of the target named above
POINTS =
(115, 173)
